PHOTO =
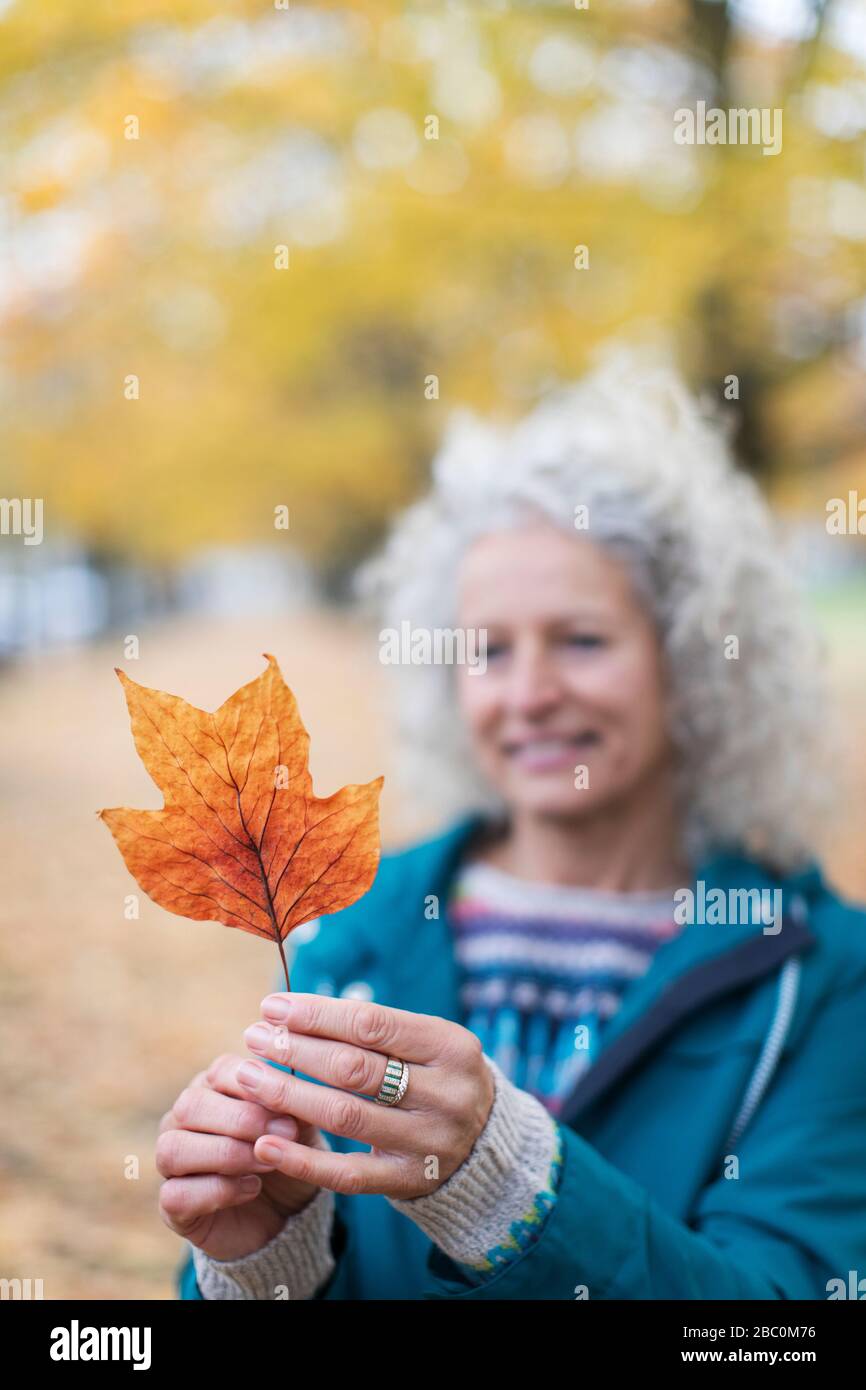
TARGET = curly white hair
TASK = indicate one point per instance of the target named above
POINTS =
(654, 469)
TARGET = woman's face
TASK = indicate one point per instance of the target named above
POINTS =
(574, 677)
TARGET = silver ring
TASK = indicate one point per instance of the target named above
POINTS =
(395, 1082)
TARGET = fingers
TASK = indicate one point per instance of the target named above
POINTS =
(180, 1152)
(350, 1173)
(223, 1077)
(413, 1037)
(233, 1115)
(339, 1064)
(210, 1112)
(336, 1112)
(186, 1203)
(218, 1076)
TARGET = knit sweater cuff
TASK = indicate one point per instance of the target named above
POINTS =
(496, 1202)
(294, 1264)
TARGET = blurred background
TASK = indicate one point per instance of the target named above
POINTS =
(250, 259)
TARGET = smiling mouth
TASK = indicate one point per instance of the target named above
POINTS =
(552, 748)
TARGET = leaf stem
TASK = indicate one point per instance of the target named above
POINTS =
(285, 967)
(286, 973)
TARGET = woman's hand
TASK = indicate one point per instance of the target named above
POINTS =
(345, 1043)
(217, 1194)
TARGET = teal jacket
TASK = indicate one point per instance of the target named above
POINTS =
(714, 1149)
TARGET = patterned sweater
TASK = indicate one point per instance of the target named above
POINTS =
(542, 967)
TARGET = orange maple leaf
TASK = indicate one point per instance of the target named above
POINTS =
(241, 838)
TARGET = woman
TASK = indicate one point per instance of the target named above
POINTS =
(627, 1006)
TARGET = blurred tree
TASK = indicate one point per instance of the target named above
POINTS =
(424, 174)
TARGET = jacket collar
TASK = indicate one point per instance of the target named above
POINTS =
(701, 963)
